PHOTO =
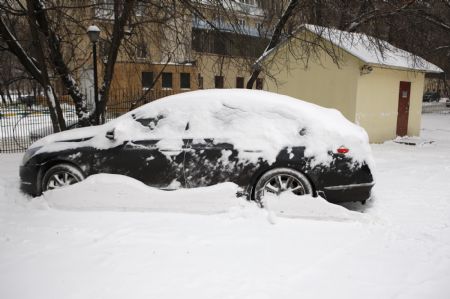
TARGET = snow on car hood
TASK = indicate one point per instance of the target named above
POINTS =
(249, 119)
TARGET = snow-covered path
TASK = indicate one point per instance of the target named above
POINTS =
(400, 248)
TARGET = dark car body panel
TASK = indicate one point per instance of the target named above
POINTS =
(208, 162)
(204, 162)
(29, 179)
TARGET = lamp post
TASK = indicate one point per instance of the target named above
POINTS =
(94, 34)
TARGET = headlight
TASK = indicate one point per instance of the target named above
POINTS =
(30, 153)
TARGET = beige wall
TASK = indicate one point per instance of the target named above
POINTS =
(322, 82)
(128, 76)
(370, 100)
(377, 102)
(210, 65)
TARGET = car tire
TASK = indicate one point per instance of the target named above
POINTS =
(61, 175)
(280, 180)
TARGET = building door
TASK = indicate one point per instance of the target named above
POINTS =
(403, 108)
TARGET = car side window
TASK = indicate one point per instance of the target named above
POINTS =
(150, 122)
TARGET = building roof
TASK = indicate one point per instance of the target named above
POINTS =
(373, 51)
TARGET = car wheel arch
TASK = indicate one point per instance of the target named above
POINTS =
(49, 164)
(260, 173)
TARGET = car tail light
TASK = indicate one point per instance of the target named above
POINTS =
(342, 150)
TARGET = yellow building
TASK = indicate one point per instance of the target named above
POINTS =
(192, 53)
(379, 88)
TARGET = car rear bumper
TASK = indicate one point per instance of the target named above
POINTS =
(28, 179)
(348, 193)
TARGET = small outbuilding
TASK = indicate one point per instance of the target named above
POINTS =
(372, 83)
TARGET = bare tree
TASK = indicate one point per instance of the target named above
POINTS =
(59, 28)
(283, 19)
(57, 51)
(275, 39)
(35, 65)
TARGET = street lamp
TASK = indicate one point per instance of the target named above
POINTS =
(94, 34)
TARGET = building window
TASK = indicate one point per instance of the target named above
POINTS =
(147, 80)
(218, 81)
(227, 43)
(259, 83)
(166, 80)
(248, 2)
(104, 9)
(140, 8)
(239, 82)
(141, 51)
(200, 81)
(185, 80)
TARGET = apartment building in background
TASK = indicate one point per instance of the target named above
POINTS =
(212, 49)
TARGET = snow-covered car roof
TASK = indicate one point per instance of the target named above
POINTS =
(248, 119)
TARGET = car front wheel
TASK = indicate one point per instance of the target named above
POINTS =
(279, 180)
(61, 175)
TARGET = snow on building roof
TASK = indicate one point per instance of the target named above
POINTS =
(373, 51)
(245, 7)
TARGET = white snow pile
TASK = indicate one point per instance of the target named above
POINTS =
(248, 119)
(110, 192)
(307, 207)
(118, 192)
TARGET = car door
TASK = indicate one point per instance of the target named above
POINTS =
(209, 161)
(211, 157)
(157, 162)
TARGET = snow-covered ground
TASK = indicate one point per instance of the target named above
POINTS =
(208, 244)
(21, 121)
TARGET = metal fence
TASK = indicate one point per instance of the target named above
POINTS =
(436, 107)
(25, 118)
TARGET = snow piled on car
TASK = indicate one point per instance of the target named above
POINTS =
(250, 120)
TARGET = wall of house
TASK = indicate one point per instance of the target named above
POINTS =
(210, 65)
(127, 83)
(316, 79)
(377, 102)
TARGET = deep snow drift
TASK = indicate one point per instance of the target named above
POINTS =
(63, 245)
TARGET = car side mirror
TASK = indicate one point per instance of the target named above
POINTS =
(110, 134)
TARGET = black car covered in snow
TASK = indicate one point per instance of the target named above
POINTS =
(261, 141)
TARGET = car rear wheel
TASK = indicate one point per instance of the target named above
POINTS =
(61, 175)
(279, 180)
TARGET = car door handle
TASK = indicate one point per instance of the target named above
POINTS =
(199, 148)
(170, 150)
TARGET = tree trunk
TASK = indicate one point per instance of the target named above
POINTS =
(118, 34)
(56, 57)
(2, 95)
(274, 41)
(40, 75)
(8, 94)
(50, 95)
